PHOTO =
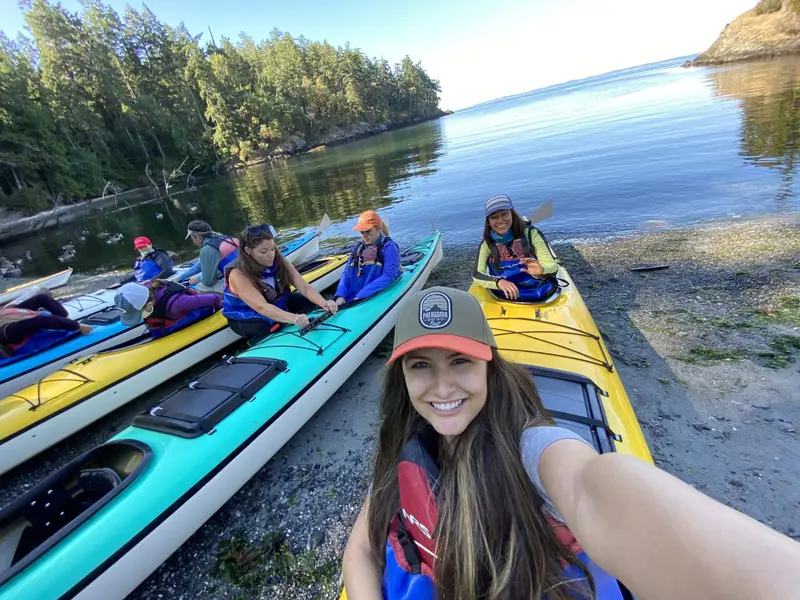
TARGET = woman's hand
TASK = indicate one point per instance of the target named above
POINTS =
(84, 329)
(331, 306)
(509, 289)
(339, 301)
(194, 280)
(300, 320)
(532, 267)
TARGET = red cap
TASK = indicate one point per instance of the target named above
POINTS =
(367, 220)
(141, 242)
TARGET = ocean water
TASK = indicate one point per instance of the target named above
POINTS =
(649, 146)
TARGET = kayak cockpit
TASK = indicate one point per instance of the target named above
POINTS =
(38, 520)
(573, 401)
(198, 407)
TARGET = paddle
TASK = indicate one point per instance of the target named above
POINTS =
(324, 224)
(544, 212)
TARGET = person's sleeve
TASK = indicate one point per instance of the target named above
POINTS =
(186, 303)
(391, 271)
(209, 261)
(534, 442)
(193, 270)
(344, 283)
(543, 254)
(480, 275)
(164, 261)
(50, 322)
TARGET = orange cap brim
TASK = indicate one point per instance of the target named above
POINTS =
(362, 226)
(445, 341)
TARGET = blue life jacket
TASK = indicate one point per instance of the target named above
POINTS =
(159, 325)
(411, 542)
(504, 263)
(41, 340)
(145, 267)
(215, 241)
(360, 273)
(236, 309)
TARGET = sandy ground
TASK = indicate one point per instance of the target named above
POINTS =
(707, 350)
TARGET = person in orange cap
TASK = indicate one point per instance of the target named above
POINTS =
(152, 263)
(374, 263)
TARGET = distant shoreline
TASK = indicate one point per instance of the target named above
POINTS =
(14, 227)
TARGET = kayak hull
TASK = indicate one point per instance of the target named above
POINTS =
(68, 404)
(50, 282)
(187, 480)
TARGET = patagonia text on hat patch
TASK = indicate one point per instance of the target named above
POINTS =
(435, 311)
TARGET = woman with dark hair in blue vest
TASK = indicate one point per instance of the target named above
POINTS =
(374, 263)
(257, 297)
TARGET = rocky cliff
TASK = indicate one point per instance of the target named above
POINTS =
(772, 28)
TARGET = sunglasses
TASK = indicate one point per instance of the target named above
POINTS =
(258, 230)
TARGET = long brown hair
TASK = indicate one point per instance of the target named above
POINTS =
(517, 228)
(250, 238)
(493, 540)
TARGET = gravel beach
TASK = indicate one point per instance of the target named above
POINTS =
(707, 350)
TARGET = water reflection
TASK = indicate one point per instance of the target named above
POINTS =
(292, 194)
(769, 92)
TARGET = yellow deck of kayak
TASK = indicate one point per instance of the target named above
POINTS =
(86, 376)
(561, 334)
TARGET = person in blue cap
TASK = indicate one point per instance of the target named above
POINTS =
(508, 242)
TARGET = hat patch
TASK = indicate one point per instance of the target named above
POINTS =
(435, 311)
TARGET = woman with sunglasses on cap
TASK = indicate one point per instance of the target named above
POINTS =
(374, 263)
(520, 508)
(257, 299)
(508, 244)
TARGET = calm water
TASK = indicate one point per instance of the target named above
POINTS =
(657, 142)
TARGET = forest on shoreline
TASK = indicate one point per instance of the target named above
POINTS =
(95, 101)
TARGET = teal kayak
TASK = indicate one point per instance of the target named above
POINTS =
(100, 525)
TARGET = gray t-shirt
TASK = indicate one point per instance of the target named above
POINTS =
(534, 442)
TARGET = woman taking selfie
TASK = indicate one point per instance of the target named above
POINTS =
(257, 298)
(475, 493)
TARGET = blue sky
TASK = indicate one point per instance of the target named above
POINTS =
(478, 49)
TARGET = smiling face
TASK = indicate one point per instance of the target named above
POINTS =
(447, 389)
(500, 221)
(263, 252)
(370, 236)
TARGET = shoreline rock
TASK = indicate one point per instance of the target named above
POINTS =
(770, 29)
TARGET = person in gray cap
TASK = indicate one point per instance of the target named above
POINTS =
(476, 492)
(216, 252)
(164, 306)
(512, 252)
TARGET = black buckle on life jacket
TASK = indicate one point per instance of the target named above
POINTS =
(410, 551)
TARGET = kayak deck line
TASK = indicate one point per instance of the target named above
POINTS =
(83, 380)
(533, 334)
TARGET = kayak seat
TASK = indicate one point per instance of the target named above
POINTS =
(408, 258)
(40, 518)
(573, 401)
(200, 405)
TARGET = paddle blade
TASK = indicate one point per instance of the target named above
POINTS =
(324, 224)
(544, 212)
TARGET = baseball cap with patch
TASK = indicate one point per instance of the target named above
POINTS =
(441, 317)
(130, 299)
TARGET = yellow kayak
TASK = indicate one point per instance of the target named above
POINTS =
(559, 342)
(89, 388)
